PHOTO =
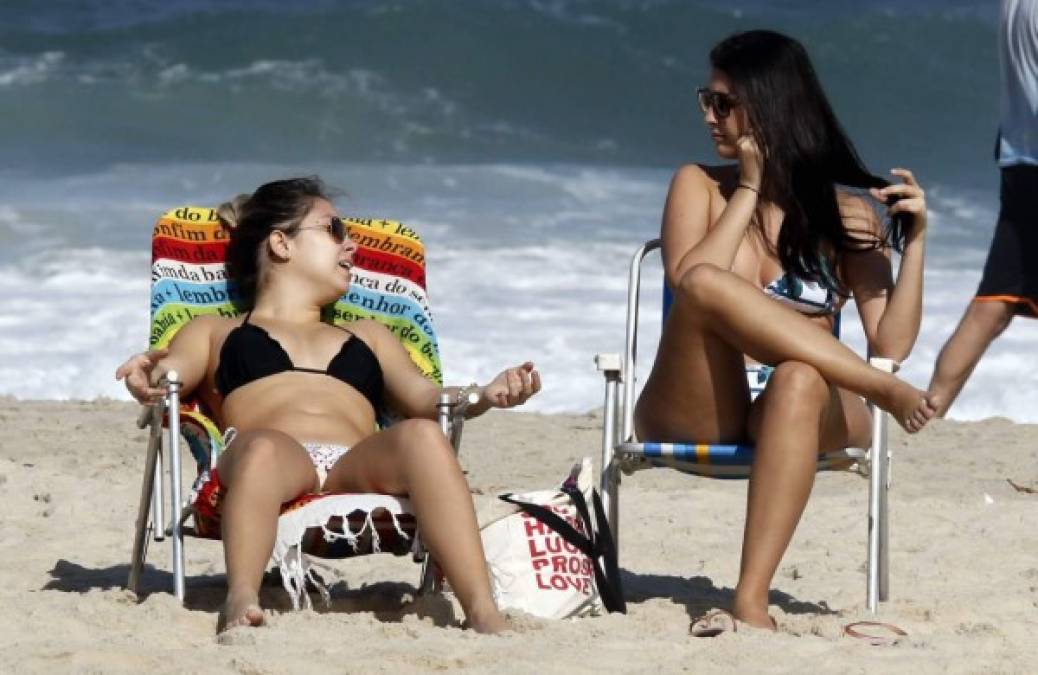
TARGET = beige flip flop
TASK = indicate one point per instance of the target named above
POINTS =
(713, 623)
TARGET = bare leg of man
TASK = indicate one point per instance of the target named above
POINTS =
(980, 325)
(260, 471)
(414, 458)
(783, 472)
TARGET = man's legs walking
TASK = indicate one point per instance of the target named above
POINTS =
(983, 321)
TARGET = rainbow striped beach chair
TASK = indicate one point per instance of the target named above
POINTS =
(622, 453)
(188, 279)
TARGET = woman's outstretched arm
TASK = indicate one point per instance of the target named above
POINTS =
(188, 354)
(891, 312)
(413, 395)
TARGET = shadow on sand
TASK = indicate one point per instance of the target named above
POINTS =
(391, 601)
(388, 601)
(699, 594)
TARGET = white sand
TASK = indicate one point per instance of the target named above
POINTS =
(964, 568)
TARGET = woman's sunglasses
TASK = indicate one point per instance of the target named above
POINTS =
(717, 101)
(335, 227)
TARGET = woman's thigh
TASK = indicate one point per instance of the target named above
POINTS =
(697, 389)
(377, 463)
(270, 459)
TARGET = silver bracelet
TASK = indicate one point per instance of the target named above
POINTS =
(465, 393)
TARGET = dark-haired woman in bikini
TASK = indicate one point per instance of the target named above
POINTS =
(761, 254)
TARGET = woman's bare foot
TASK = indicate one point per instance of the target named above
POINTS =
(911, 407)
(941, 396)
(240, 609)
(719, 621)
(755, 616)
(488, 621)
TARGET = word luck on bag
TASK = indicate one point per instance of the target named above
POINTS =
(549, 558)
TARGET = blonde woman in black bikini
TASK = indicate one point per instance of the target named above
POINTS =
(302, 394)
(760, 256)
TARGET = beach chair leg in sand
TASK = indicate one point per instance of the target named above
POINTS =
(623, 453)
(149, 511)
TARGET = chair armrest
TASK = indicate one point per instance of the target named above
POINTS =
(611, 367)
(609, 363)
(886, 365)
(451, 413)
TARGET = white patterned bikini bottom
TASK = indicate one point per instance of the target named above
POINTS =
(323, 455)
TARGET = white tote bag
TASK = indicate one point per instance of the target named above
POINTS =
(544, 551)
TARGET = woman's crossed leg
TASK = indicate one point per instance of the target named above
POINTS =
(715, 307)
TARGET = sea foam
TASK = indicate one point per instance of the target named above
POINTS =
(525, 262)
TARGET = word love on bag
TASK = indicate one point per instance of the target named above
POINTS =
(549, 559)
(557, 564)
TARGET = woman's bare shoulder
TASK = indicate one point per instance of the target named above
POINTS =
(703, 183)
(369, 330)
(211, 329)
(712, 177)
(211, 324)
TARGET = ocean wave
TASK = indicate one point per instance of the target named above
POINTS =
(71, 316)
(524, 262)
(26, 70)
(303, 76)
(607, 82)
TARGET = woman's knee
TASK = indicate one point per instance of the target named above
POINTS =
(795, 399)
(700, 285)
(420, 430)
(796, 392)
(796, 381)
(423, 438)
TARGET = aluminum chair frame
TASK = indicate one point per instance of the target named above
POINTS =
(621, 451)
(150, 511)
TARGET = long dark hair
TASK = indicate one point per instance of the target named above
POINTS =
(278, 205)
(806, 152)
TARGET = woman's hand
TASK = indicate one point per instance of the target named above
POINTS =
(905, 197)
(136, 372)
(513, 386)
(751, 161)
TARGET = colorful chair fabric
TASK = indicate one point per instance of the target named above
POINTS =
(623, 453)
(189, 279)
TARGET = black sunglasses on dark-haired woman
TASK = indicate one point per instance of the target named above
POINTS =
(720, 102)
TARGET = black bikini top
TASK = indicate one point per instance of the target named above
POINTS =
(250, 353)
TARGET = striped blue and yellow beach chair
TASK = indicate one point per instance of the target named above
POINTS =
(622, 453)
(188, 279)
